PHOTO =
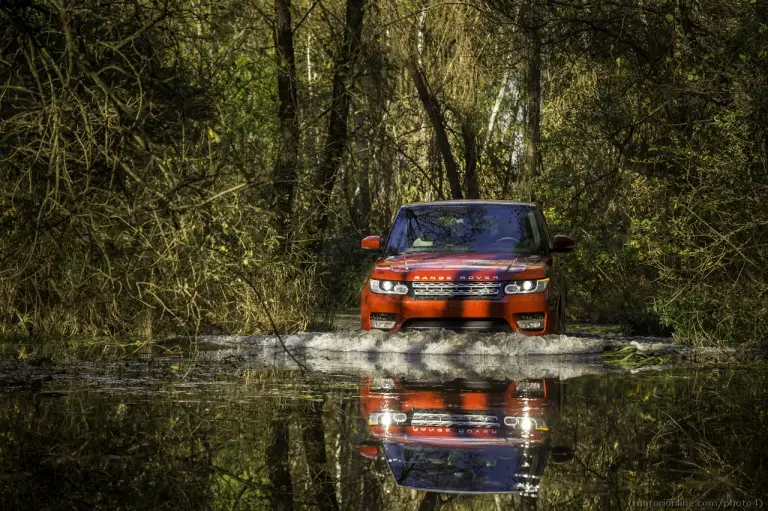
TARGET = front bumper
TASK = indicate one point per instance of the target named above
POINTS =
(454, 314)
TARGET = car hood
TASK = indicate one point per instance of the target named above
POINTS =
(471, 266)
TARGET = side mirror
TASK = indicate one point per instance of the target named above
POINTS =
(371, 243)
(561, 454)
(562, 243)
(369, 450)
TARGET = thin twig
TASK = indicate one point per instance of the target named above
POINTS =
(271, 321)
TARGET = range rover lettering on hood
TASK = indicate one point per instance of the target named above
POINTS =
(400, 266)
(461, 277)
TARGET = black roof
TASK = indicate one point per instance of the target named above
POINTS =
(470, 202)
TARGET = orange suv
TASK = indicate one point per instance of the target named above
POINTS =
(466, 265)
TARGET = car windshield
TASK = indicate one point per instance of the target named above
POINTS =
(482, 468)
(490, 228)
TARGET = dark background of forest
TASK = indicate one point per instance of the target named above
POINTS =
(178, 166)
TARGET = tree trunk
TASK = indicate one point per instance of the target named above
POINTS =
(430, 501)
(286, 164)
(469, 134)
(363, 143)
(336, 140)
(438, 124)
(280, 473)
(317, 459)
(533, 120)
(497, 106)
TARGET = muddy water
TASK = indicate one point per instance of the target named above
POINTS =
(363, 421)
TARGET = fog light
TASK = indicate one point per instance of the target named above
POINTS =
(383, 321)
(386, 418)
(530, 321)
(530, 389)
(382, 384)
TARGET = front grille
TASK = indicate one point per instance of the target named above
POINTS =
(457, 324)
(438, 290)
(449, 420)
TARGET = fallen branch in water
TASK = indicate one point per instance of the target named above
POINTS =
(629, 357)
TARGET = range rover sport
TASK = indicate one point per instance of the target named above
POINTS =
(466, 265)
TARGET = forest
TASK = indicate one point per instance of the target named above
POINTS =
(183, 167)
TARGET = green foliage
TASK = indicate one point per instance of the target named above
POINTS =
(655, 159)
(131, 200)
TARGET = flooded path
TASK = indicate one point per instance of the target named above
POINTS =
(367, 421)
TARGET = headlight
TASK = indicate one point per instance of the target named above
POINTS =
(524, 287)
(388, 287)
(386, 418)
(526, 424)
(382, 384)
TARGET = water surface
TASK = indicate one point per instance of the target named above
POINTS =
(243, 427)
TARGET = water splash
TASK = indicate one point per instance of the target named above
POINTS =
(443, 342)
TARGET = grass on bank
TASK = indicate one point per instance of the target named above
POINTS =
(61, 350)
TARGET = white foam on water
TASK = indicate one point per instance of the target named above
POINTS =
(443, 342)
(443, 367)
(412, 366)
(438, 353)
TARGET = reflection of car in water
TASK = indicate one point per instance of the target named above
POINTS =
(463, 436)
(466, 265)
